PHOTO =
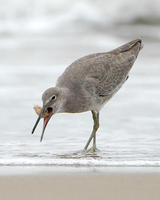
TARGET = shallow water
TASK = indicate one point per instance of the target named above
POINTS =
(129, 123)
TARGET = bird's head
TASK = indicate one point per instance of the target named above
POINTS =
(52, 103)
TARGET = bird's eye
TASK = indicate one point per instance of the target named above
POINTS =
(54, 97)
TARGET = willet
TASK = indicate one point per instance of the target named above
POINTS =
(88, 83)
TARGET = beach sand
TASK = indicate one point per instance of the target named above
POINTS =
(120, 184)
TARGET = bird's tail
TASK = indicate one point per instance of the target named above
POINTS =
(128, 46)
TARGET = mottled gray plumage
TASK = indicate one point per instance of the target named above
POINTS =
(89, 82)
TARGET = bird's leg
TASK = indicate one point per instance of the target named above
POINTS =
(95, 128)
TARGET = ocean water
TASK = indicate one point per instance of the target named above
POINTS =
(43, 17)
(129, 123)
(38, 40)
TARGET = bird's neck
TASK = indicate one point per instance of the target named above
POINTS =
(67, 98)
(74, 102)
(68, 101)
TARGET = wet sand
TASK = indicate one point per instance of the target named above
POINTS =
(117, 183)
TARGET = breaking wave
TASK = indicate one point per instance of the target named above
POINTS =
(34, 16)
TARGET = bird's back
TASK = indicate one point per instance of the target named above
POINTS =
(101, 74)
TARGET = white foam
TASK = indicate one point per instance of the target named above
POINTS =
(77, 162)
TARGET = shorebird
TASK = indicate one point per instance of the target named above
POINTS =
(88, 83)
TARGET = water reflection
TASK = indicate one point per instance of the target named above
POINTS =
(81, 154)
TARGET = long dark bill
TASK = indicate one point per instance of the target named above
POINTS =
(39, 117)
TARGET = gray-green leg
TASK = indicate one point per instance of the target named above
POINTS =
(95, 128)
(94, 137)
